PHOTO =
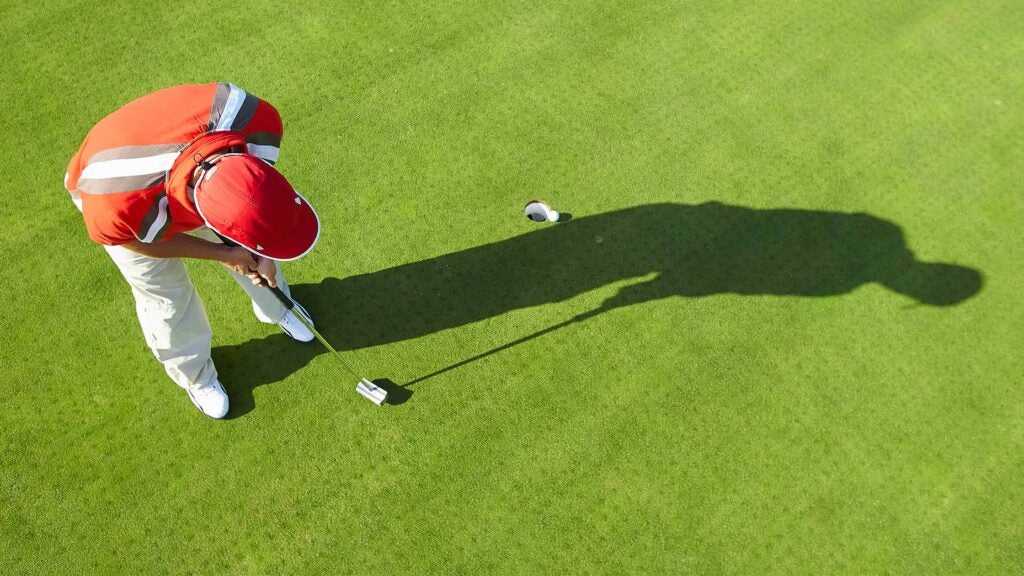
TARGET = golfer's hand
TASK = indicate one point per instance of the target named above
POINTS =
(239, 260)
(265, 272)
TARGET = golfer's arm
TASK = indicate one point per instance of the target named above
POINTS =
(181, 246)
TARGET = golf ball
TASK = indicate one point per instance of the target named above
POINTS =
(540, 212)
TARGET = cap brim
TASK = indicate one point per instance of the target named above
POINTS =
(295, 245)
(302, 238)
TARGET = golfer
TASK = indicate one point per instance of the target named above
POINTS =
(187, 172)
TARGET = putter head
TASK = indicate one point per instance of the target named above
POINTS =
(371, 391)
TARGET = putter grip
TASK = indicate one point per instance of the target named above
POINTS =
(282, 297)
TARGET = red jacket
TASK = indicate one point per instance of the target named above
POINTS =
(130, 176)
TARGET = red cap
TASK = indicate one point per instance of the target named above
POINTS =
(246, 200)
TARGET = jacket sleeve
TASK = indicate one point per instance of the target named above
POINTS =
(264, 131)
(115, 219)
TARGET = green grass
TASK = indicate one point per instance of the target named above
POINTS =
(772, 409)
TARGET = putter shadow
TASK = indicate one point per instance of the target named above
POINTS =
(693, 251)
(396, 394)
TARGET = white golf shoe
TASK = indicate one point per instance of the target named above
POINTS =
(294, 327)
(211, 399)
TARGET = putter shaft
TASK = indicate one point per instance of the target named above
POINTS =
(290, 305)
(364, 387)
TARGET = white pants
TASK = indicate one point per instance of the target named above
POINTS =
(172, 316)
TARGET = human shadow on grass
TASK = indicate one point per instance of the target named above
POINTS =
(685, 250)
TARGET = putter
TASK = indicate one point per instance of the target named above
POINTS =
(364, 387)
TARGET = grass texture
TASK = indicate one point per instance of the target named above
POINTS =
(780, 335)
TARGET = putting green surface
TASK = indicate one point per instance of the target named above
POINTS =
(781, 334)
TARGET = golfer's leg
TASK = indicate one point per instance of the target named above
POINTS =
(265, 305)
(171, 314)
